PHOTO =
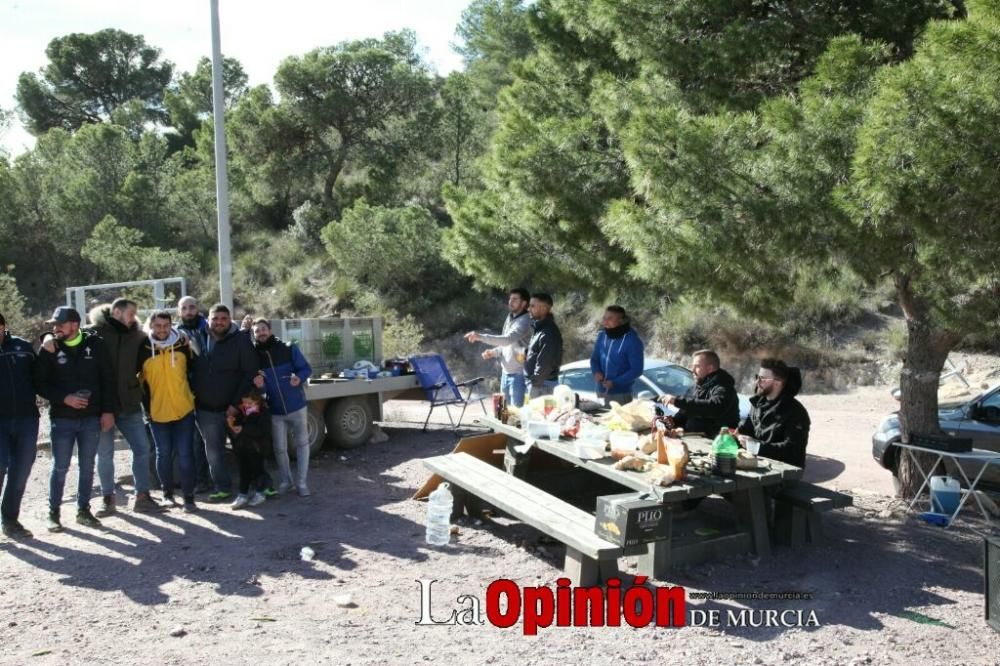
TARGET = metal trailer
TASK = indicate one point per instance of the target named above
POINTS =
(343, 411)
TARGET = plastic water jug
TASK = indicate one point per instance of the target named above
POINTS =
(946, 493)
(439, 506)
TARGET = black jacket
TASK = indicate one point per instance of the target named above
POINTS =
(17, 383)
(544, 352)
(123, 344)
(256, 428)
(709, 405)
(781, 425)
(70, 369)
(223, 371)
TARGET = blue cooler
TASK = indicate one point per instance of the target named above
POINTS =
(946, 493)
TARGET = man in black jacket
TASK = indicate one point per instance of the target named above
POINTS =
(776, 418)
(223, 373)
(541, 365)
(712, 402)
(79, 384)
(117, 326)
(18, 427)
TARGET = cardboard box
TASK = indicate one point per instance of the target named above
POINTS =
(631, 519)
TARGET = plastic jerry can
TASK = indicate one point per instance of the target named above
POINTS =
(946, 493)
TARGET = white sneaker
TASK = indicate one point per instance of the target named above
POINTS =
(304, 490)
(257, 499)
(240, 502)
(284, 487)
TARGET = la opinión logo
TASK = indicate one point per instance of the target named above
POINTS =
(506, 603)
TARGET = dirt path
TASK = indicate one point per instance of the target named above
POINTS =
(232, 587)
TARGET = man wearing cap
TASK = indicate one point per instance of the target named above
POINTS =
(78, 381)
(18, 427)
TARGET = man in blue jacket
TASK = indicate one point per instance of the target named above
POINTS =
(283, 374)
(18, 427)
(223, 373)
(617, 359)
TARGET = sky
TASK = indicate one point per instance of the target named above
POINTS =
(257, 33)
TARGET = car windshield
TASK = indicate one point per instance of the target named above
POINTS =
(672, 379)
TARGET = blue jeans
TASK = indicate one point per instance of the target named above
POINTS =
(84, 433)
(213, 429)
(18, 446)
(133, 429)
(279, 437)
(175, 436)
(512, 387)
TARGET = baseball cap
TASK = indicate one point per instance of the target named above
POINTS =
(63, 314)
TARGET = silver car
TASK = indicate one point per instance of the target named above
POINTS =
(978, 418)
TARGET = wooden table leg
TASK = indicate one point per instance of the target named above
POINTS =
(752, 507)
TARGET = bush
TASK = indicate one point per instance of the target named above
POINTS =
(12, 305)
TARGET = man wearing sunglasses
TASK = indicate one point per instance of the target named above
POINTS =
(776, 418)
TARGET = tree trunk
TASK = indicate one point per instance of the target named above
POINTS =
(927, 349)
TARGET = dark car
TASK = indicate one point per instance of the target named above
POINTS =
(978, 418)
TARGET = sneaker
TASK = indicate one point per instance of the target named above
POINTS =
(145, 504)
(284, 487)
(220, 496)
(257, 499)
(189, 505)
(86, 518)
(168, 498)
(15, 530)
(304, 491)
(269, 493)
(108, 507)
(240, 502)
(53, 523)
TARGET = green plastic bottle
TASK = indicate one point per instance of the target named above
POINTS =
(724, 448)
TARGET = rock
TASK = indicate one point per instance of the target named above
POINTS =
(345, 600)
(178, 632)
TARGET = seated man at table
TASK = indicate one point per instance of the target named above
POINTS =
(712, 402)
(776, 418)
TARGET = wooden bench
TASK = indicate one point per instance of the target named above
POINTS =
(799, 508)
(589, 559)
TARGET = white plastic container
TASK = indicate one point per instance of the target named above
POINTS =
(439, 506)
(946, 493)
(624, 440)
(543, 430)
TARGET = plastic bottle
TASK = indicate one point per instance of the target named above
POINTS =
(439, 506)
(725, 447)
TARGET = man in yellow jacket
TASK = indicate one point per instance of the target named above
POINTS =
(164, 365)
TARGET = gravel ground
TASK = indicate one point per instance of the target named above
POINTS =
(230, 587)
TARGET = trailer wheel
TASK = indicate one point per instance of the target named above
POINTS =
(315, 429)
(349, 421)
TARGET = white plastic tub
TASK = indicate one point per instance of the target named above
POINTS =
(543, 430)
(589, 449)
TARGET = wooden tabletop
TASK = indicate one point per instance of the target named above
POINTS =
(696, 484)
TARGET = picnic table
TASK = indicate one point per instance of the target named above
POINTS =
(745, 490)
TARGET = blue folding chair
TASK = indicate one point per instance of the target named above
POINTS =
(441, 389)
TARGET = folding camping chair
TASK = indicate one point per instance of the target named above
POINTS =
(440, 388)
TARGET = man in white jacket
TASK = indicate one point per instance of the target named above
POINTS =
(510, 346)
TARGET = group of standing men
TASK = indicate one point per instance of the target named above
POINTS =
(530, 353)
(182, 381)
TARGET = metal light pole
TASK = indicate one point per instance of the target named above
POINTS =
(221, 178)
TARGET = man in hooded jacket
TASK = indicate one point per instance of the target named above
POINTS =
(618, 357)
(18, 427)
(117, 326)
(776, 418)
(712, 402)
